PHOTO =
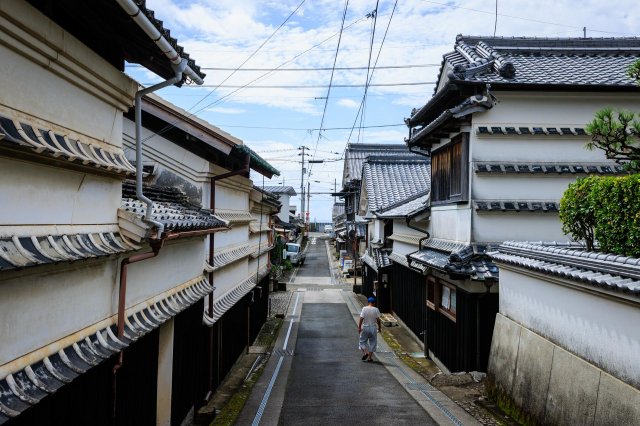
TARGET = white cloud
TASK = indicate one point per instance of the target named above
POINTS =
(348, 103)
(223, 33)
(223, 110)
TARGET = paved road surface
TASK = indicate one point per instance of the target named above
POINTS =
(315, 375)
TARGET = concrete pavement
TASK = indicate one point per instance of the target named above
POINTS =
(315, 374)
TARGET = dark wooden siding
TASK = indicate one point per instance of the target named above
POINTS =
(370, 275)
(408, 298)
(190, 370)
(463, 345)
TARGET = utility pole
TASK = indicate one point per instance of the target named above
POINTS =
(335, 183)
(308, 204)
(302, 172)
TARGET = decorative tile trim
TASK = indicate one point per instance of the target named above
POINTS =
(406, 238)
(26, 385)
(547, 168)
(234, 216)
(529, 131)
(254, 227)
(222, 304)
(25, 251)
(47, 143)
(539, 206)
(259, 250)
(227, 256)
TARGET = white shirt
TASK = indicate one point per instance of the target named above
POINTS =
(370, 315)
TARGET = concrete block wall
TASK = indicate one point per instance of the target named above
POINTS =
(538, 382)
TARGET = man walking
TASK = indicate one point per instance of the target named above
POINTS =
(369, 318)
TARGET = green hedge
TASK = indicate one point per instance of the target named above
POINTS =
(604, 209)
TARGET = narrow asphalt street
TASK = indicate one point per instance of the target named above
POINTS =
(315, 375)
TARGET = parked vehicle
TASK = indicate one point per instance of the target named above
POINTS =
(294, 253)
(328, 229)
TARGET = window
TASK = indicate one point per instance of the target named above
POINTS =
(448, 301)
(449, 171)
(442, 297)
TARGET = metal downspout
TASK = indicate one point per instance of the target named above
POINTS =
(156, 244)
(138, 107)
(132, 9)
(212, 206)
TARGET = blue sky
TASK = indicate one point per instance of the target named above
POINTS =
(224, 33)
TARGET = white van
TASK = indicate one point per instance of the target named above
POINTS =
(328, 229)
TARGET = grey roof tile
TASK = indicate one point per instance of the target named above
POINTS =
(279, 189)
(392, 180)
(571, 261)
(170, 207)
(459, 260)
(356, 154)
(410, 207)
(545, 61)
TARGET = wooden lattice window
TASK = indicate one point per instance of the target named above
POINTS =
(450, 171)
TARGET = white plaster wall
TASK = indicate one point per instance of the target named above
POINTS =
(238, 234)
(36, 91)
(600, 330)
(403, 248)
(231, 198)
(451, 222)
(400, 227)
(40, 195)
(177, 263)
(30, 306)
(376, 230)
(259, 262)
(284, 212)
(166, 153)
(550, 109)
(228, 277)
(521, 187)
(523, 226)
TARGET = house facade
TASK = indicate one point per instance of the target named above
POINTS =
(284, 194)
(102, 295)
(212, 169)
(505, 133)
(387, 183)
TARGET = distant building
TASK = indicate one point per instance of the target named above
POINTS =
(505, 133)
(389, 183)
(283, 194)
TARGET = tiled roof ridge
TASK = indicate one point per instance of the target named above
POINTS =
(409, 158)
(375, 146)
(406, 200)
(570, 254)
(570, 43)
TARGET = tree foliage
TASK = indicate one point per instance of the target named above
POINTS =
(606, 210)
(617, 133)
(577, 213)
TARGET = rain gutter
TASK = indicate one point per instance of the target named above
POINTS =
(132, 9)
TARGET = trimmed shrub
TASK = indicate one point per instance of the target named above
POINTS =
(604, 209)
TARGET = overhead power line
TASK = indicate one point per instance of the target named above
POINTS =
(310, 130)
(386, 67)
(326, 102)
(314, 86)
